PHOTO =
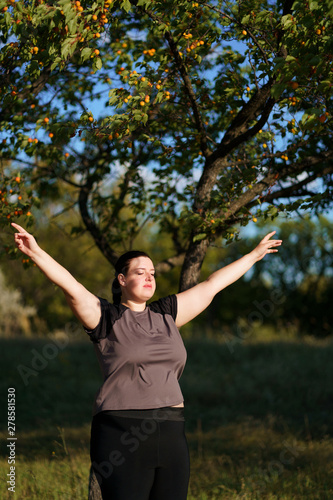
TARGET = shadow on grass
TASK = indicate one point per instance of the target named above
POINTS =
(286, 385)
(287, 382)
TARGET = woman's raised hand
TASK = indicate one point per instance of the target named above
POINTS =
(25, 241)
(83, 303)
(266, 246)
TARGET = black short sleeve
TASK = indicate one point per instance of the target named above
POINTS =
(109, 314)
(166, 305)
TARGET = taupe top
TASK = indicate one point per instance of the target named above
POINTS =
(141, 355)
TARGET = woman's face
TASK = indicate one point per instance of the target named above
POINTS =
(139, 282)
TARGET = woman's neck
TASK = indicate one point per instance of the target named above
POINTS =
(133, 305)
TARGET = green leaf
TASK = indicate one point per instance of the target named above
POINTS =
(65, 48)
(72, 26)
(34, 69)
(126, 5)
(200, 237)
(330, 7)
(86, 53)
(145, 119)
(277, 90)
(98, 63)
(159, 97)
(8, 19)
(55, 63)
(290, 58)
(145, 3)
(313, 5)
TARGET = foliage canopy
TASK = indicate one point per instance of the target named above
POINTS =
(199, 115)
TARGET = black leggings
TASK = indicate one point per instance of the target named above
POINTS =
(140, 454)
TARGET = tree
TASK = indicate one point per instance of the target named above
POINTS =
(217, 113)
(14, 315)
(52, 227)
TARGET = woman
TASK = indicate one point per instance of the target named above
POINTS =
(138, 445)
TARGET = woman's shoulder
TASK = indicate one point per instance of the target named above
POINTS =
(111, 308)
(165, 305)
(110, 313)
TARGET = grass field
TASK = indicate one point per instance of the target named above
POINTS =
(259, 417)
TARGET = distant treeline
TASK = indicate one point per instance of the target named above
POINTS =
(291, 289)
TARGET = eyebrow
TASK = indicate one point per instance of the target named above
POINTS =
(143, 268)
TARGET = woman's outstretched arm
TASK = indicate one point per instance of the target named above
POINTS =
(84, 304)
(195, 300)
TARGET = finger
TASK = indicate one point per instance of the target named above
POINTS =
(272, 242)
(269, 235)
(20, 236)
(19, 228)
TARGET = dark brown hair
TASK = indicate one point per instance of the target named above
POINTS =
(121, 267)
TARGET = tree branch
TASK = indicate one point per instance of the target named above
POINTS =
(93, 229)
(235, 135)
(38, 85)
(246, 199)
(168, 264)
(190, 94)
(297, 188)
(233, 20)
(188, 87)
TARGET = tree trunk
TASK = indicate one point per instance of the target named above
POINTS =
(94, 489)
(192, 264)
